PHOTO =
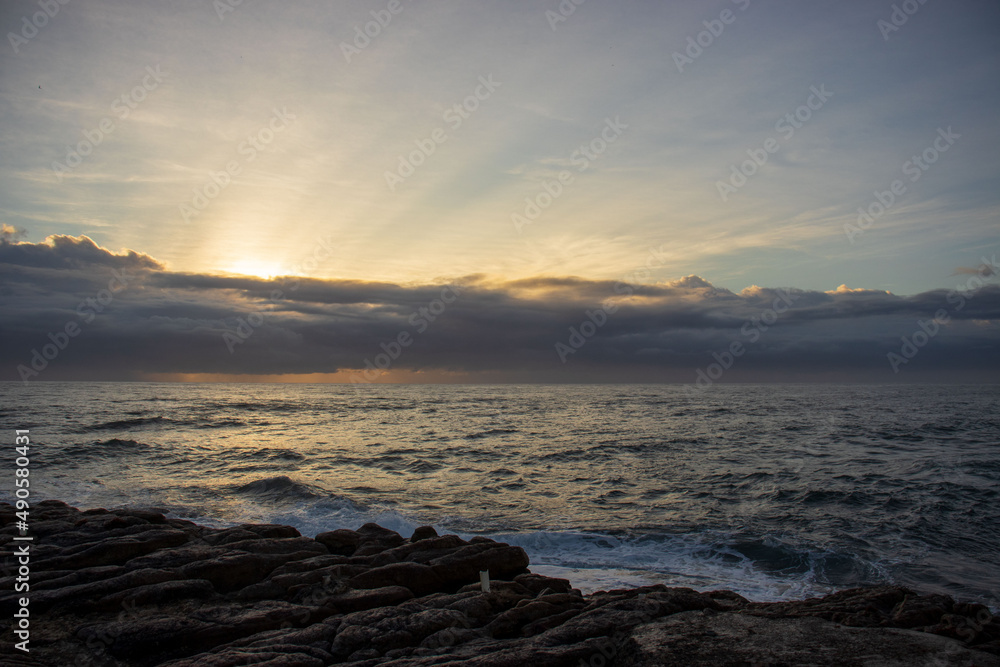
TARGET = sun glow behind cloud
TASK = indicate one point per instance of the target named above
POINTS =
(254, 267)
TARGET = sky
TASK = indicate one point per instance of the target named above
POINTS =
(628, 191)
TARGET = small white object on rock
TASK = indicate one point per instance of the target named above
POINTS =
(484, 579)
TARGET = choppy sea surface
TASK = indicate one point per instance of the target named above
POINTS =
(773, 491)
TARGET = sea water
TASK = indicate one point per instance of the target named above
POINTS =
(773, 491)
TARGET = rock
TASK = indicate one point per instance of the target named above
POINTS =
(498, 587)
(509, 623)
(452, 636)
(146, 515)
(564, 600)
(272, 530)
(375, 539)
(169, 635)
(307, 564)
(236, 570)
(430, 621)
(292, 646)
(728, 600)
(50, 505)
(477, 607)
(858, 607)
(341, 541)
(536, 583)
(107, 522)
(419, 578)
(83, 596)
(153, 594)
(423, 533)
(288, 585)
(548, 622)
(50, 527)
(82, 537)
(315, 634)
(151, 591)
(394, 630)
(620, 611)
(117, 551)
(512, 653)
(83, 576)
(223, 537)
(280, 657)
(355, 601)
(352, 639)
(177, 557)
(463, 565)
(424, 551)
(691, 638)
(916, 611)
(267, 545)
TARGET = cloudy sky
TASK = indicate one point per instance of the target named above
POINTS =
(304, 177)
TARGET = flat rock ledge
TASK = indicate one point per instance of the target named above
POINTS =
(132, 587)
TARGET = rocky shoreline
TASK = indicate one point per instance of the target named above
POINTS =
(131, 587)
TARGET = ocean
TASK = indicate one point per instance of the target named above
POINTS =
(774, 491)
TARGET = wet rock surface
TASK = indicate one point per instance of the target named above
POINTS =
(133, 587)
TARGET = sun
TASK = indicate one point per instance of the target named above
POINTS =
(256, 268)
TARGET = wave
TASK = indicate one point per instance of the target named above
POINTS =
(117, 444)
(423, 466)
(263, 406)
(760, 568)
(158, 421)
(124, 424)
(280, 487)
(221, 423)
(102, 449)
(488, 433)
(266, 454)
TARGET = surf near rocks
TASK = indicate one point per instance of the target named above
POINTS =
(133, 587)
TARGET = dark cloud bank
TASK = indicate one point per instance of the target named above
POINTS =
(105, 316)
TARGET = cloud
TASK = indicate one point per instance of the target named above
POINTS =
(68, 252)
(161, 323)
(986, 269)
(9, 234)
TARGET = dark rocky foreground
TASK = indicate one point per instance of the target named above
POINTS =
(130, 587)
